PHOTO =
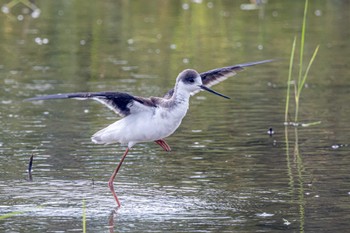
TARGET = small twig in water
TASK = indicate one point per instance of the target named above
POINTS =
(30, 165)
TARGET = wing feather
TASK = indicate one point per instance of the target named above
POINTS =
(215, 76)
(120, 102)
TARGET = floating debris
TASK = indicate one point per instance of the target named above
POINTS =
(270, 131)
(337, 146)
(5, 9)
(30, 166)
(185, 6)
(286, 222)
(254, 5)
(41, 41)
(264, 214)
(297, 124)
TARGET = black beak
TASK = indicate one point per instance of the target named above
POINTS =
(212, 91)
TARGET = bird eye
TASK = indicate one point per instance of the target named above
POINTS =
(190, 79)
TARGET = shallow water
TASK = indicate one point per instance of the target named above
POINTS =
(224, 173)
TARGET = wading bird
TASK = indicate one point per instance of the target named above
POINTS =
(154, 118)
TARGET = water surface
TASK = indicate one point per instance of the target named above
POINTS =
(224, 173)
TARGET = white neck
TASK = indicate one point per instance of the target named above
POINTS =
(181, 95)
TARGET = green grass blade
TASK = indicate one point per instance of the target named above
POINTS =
(289, 79)
(307, 70)
(84, 217)
(302, 42)
(311, 124)
(9, 215)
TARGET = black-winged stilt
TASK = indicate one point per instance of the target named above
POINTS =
(154, 118)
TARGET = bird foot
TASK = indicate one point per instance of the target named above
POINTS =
(163, 144)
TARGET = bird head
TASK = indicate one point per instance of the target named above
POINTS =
(190, 80)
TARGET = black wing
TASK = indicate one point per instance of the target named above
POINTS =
(121, 103)
(215, 76)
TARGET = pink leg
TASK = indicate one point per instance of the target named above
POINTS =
(163, 144)
(111, 180)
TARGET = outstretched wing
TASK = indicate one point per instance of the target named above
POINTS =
(215, 76)
(121, 103)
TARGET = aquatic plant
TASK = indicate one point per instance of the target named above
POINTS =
(84, 216)
(299, 82)
(8, 215)
(297, 178)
